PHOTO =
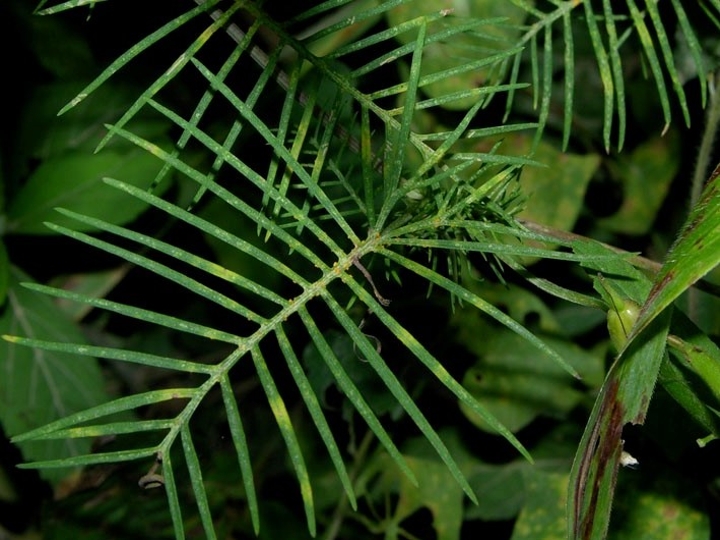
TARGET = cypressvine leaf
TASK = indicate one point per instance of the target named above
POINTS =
(323, 157)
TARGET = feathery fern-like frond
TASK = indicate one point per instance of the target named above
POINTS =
(610, 30)
(339, 176)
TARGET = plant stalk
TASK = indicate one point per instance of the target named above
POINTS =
(707, 143)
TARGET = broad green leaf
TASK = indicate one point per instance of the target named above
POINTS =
(499, 34)
(501, 489)
(74, 181)
(665, 505)
(645, 176)
(63, 52)
(43, 134)
(695, 252)
(473, 299)
(504, 489)
(91, 284)
(37, 387)
(543, 515)
(513, 383)
(436, 489)
(321, 378)
(520, 303)
(510, 489)
(556, 193)
(509, 378)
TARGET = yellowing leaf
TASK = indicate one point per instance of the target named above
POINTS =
(543, 516)
(645, 175)
(556, 193)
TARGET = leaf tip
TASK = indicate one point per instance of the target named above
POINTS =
(411, 476)
(50, 225)
(112, 130)
(77, 99)
(18, 439)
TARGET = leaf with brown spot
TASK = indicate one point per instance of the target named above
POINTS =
(624, 398)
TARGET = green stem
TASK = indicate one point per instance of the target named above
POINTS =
(339, 513)
(705, 152)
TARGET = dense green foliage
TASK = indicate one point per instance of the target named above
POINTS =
(360, 269)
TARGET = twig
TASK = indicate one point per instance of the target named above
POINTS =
(384, 301)
(333, 528)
